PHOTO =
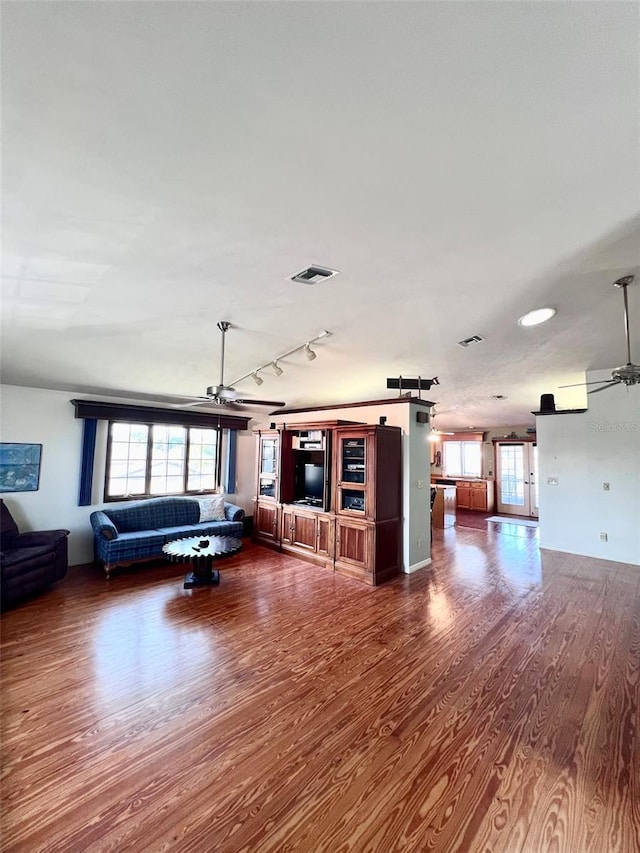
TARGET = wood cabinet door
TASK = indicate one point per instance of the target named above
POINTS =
(463, 496)
(268, 466)
(266, 520)
(304, 530)
(479, 496)
(353, 543)
(324, 540)
(286, 527)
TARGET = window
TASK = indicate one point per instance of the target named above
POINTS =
(462, 458)
(145, 460)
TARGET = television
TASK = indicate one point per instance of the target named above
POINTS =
(313, 484)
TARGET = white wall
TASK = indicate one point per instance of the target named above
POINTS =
(47, 418)
(583, 451)
(38, 416)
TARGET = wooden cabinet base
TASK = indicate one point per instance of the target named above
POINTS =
(361, 574)
(308, 556)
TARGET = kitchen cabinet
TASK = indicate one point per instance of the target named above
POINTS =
(470, 494)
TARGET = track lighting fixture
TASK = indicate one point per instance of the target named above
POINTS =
(274, 365)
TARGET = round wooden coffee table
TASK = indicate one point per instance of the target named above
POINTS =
(201, 552)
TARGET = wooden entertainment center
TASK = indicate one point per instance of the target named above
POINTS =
(330, 492)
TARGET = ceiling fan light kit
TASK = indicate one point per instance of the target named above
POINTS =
(436, 434)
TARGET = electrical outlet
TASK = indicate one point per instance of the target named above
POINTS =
(419, 543)
(604, 537)
(421, 484)
(606, 487)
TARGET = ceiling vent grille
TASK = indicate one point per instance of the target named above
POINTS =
(314, 275)
(467, 342)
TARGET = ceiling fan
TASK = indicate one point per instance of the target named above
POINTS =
(225, 395)
(435, 434)
(628, 374)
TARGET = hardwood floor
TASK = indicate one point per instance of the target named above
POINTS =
(488, 703)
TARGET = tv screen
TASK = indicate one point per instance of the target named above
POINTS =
(313, 483)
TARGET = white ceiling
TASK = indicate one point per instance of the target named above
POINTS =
(167, 165)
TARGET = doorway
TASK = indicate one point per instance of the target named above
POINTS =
(517, 478)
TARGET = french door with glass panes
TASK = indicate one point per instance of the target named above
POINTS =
(517, 478)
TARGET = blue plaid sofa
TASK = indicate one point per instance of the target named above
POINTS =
(137, 532)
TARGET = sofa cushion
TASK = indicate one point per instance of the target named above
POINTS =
(211, 528)
(134, 545)
(154, 513)
(14, 556)
(212, 509)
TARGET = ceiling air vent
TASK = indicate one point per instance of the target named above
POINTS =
(474, 339)
(314, 275)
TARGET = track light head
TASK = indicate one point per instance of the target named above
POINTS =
(274, 366)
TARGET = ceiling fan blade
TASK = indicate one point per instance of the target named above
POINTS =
(604, 387)
(202, 401)
(276, 403)
(581, 384)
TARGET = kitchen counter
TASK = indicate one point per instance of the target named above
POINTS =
(452, 481)
(443, 513)
(471, 492)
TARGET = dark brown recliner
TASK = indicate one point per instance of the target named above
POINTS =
(29, 562)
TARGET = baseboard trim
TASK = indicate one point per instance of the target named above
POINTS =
(614, 560)
(415, 567)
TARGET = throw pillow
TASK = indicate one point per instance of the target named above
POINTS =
(212, 509)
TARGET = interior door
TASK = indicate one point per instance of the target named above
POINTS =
(517, 478)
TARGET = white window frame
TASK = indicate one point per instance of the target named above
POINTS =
(460, 446)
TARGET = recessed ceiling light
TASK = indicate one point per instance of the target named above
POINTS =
(534, 318)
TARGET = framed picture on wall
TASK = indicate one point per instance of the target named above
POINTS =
(19, 467)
